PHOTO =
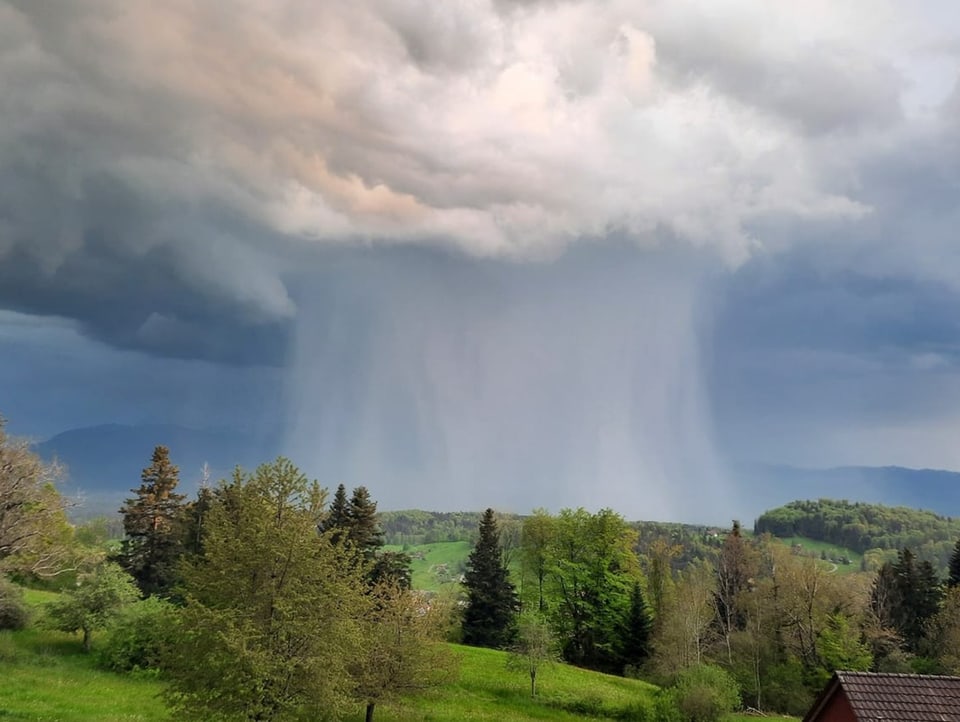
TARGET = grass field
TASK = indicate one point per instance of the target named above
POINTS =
(832, 552)
(47, 678)
(437, 566)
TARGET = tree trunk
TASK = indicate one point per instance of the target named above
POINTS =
(86, 639)
(533, 683)
(370, 706)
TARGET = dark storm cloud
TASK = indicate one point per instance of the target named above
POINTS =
(165, 167)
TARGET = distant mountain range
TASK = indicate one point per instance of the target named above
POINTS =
(104, 464)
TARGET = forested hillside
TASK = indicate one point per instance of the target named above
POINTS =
(865, 527)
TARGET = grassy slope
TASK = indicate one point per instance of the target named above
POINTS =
(46, 676)
(425, 571)
(832, 550)
(488, 691)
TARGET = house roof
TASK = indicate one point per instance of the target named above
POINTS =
(879, 697)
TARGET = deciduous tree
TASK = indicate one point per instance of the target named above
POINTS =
(272, 616)
(96, 598)
(35, 537)
(402, 651)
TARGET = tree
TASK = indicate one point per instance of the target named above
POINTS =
(736, 565)
(363, 528)
(402, 648)
(953, 578)
(337, 521)
(535, 539)
(683, 636)
(35, 537)
(534, 648)
(488, 620)
(272, 616)
(97, 597)
(153, 522)
(637, 628)
(591, 571)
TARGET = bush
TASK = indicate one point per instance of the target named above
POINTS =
(639, 710)
(705, 693)
(14, 613)
(138, 635)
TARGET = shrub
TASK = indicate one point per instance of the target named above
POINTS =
(14, 613)
(138, 635)
(705, 693)
(639, 710)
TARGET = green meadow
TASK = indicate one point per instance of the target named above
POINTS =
(47, 678)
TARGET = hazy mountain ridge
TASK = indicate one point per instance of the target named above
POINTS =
(104, 462)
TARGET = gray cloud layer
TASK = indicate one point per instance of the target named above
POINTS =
(255, 184)
(191, 152)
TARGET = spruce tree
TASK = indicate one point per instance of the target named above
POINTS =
(490, 616)
(153, 522)
(635, 645)
(363, 527)
(953, 578)
(337, 521)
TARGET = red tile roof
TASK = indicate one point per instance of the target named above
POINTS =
(878, 697)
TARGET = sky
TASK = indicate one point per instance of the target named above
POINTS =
(509, 253)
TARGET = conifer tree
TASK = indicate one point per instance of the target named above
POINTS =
(637, 629)
(490, 616)
(337, 521)
(153, 522)
(953, 578)
(363, 527)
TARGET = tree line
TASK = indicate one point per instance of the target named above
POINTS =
(865, 528)
(266, 598)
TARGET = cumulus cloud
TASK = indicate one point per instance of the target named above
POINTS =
(225, 141)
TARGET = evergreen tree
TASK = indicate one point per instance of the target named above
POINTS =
(153, 522)
(638, 626)
(953, 578)
(363, 528)
(337, 521)
(489, 618)
(905, 596)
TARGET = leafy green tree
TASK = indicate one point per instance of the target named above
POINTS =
(35, 537)
(684, 635)
(489, 617)
(534, 648)
(535, 539)
(138, 635)
(592, 568)
(272, 616)
(91, 604)
(402, 651)
(153, 522)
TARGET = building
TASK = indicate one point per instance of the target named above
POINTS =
(878, 697)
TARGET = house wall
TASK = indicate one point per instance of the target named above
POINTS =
(837, 709)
